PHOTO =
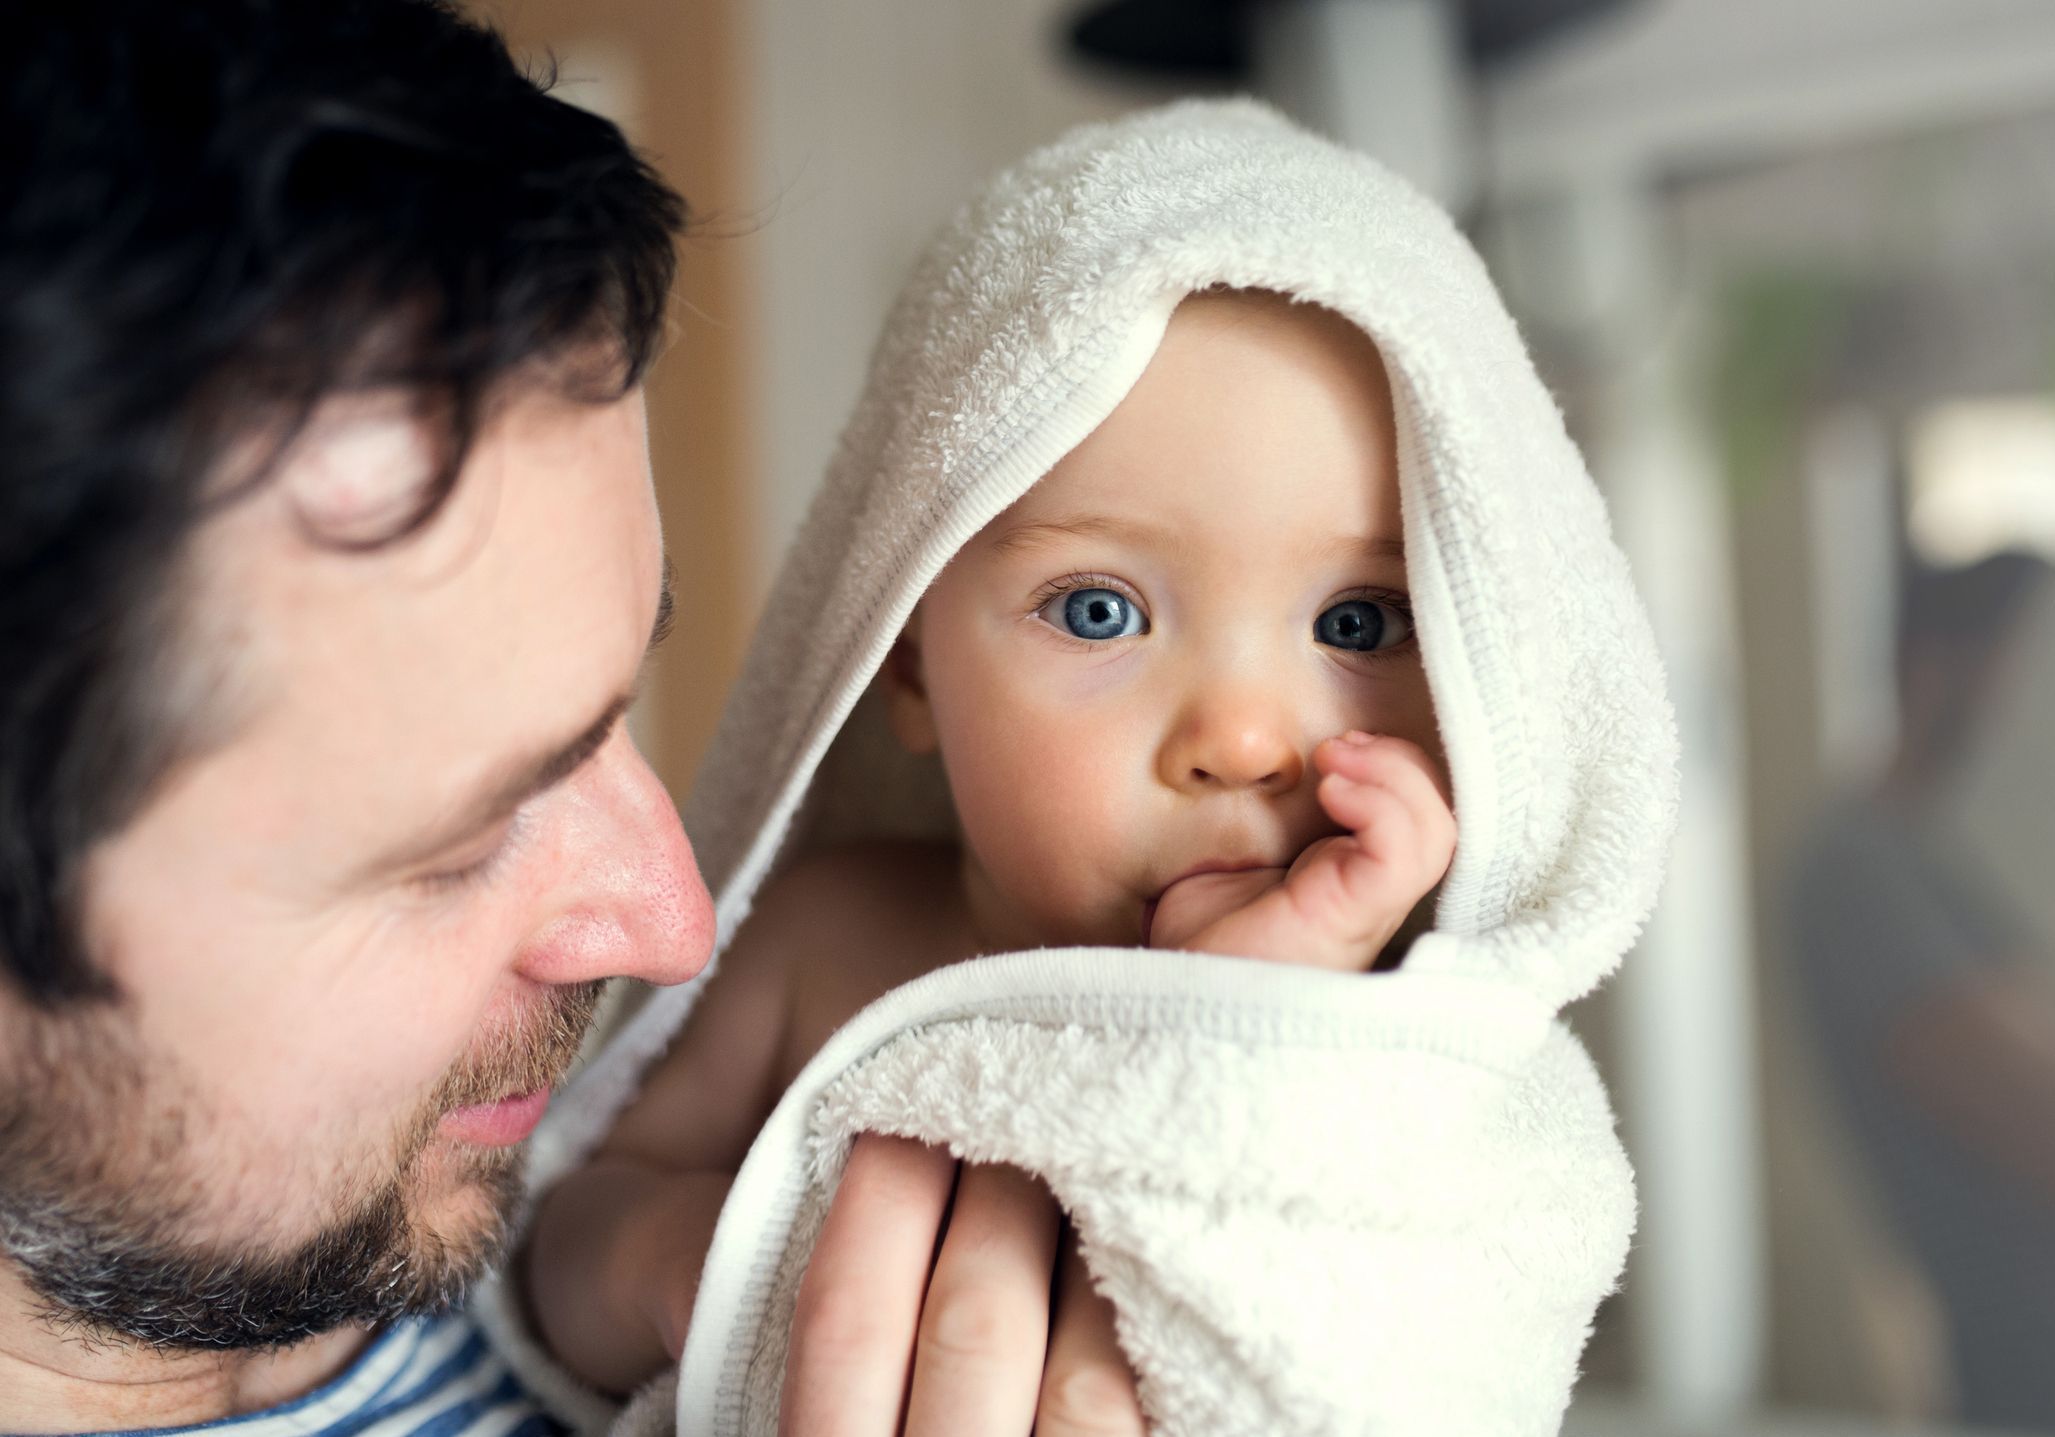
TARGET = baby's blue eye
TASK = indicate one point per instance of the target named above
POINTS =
(1362, 626)
(1098, 614)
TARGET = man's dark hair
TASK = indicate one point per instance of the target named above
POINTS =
(213, 213)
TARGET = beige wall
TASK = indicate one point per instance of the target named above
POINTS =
(873, 121)
(675, 75)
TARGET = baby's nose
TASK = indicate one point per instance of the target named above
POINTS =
(1234, 740)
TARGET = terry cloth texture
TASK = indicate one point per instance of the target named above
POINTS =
(1320, 1203)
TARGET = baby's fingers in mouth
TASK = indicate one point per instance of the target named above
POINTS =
(1190, 904)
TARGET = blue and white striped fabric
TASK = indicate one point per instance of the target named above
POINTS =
(427, 1377)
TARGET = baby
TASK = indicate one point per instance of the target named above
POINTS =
(1095, 665)
(1179, 702)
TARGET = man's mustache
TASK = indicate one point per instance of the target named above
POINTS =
(524, 1055)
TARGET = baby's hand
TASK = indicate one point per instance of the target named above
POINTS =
(1345, 897)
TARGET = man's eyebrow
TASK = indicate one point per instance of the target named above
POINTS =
(524, 781)
(1080, 526)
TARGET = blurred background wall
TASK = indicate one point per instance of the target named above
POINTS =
(1790, 267)
(679, 79)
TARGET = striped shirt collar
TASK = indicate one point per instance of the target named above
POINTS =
(424, 1377)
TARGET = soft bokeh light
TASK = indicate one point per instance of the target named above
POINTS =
(1981, 478)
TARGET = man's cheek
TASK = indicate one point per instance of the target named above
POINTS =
(368, 1069)
(405, 995)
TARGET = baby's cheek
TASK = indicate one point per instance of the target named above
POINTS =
(1397, 702)
(1046, 810)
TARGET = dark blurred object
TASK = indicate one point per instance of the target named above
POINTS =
(1193, 39)
(1930, 994)
(1954, 626)
(1209, 39)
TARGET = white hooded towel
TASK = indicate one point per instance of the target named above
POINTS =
(1320, 1203)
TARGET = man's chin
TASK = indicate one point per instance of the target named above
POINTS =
(130, 1240)
(461, 1200)
(414, 1247)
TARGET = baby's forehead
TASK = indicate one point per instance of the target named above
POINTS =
(1268, 315)
(1253, 406)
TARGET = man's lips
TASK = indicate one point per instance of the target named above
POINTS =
(497, 1125)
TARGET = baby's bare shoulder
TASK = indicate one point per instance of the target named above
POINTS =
(891, 890)
(856, 921)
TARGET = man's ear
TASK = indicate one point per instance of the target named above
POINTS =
(906, 689)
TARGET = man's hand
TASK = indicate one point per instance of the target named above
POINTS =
(1345, 897)
(926, 1310)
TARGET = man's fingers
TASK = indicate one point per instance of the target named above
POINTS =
(980, 1325)
(978, 1362)
(1087, 1387)
(859, 1304)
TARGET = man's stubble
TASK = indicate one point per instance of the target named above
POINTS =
(98, 1197)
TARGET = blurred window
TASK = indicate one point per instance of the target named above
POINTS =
(1981, 478)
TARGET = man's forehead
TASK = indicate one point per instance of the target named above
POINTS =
(276, 577)
(510, 619)
(363, 464)
(333, 515)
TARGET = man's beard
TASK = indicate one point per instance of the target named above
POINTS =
(92, 1212)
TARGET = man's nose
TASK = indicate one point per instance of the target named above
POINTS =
(625, 896)
(1233, 735)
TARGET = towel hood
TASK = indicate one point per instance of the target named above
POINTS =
(1027, 320)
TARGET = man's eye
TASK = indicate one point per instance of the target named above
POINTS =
(468, 876)
(479, 871)
(1095, 614)
(1362, 626)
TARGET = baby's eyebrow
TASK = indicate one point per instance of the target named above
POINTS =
(1364, 546)
(1078, 526)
